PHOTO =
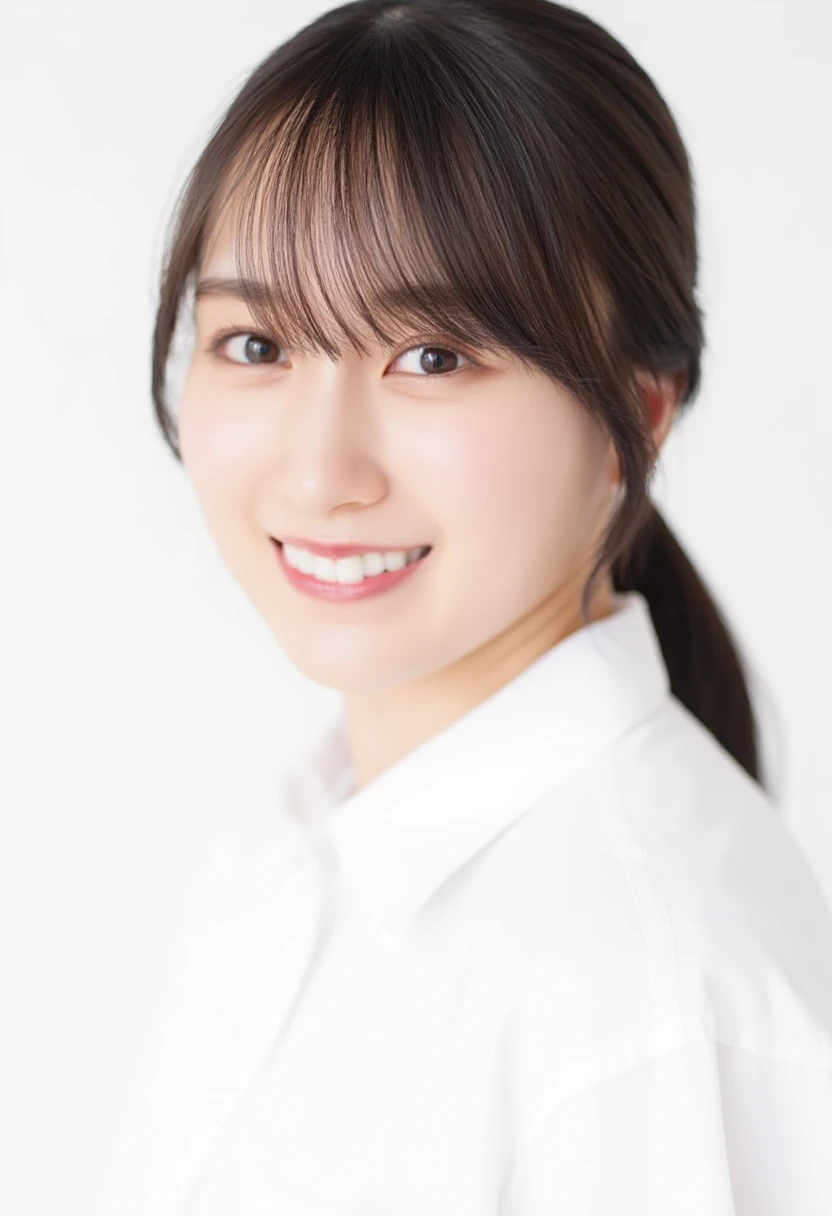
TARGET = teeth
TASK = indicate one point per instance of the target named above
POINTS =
(350, 569)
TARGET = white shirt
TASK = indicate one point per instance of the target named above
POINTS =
(564, 957)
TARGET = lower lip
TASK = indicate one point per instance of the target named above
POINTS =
(374, 585)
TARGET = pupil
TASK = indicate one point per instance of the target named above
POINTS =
(433, 355)
(252, 343)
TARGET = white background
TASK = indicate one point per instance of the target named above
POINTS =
(145, 690)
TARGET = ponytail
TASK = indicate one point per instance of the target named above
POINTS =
(706, 670)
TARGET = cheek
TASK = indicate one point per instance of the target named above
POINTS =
(525, 484)
(219, 450)
(197, 427)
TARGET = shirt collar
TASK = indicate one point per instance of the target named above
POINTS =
(402, 834)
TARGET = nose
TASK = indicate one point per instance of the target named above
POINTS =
(328, 445)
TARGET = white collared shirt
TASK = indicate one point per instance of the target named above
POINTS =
(564, 957)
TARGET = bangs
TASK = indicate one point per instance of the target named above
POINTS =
(375, 217)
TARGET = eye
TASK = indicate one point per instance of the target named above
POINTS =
(437, 360)
(255, 349)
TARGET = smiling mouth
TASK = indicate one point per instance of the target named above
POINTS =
(348, 581)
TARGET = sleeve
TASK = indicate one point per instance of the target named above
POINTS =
(707, 1129)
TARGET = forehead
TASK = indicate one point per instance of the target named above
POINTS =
(334, 236)
(219, 251)
(313, 285)
(221, 260)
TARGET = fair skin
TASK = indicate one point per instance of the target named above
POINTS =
(497, 468)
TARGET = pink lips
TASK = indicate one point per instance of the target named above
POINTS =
(337, 592)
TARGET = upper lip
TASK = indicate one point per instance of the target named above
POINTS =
(330, 550)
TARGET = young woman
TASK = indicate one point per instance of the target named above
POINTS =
(522, 933)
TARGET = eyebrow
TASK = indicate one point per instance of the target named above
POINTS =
(240, 288)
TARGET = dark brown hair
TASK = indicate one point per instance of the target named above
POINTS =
(503, 169)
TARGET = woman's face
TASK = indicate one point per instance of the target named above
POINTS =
(497, 468)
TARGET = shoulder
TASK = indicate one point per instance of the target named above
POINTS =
(717, 1023)
(751, 927)
(655, 897)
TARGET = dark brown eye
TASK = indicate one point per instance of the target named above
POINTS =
(257, 349)
(434, 360)
(252, 349)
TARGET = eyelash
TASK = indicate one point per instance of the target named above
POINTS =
(220, 338)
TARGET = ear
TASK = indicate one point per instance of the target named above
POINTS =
(661, 398)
